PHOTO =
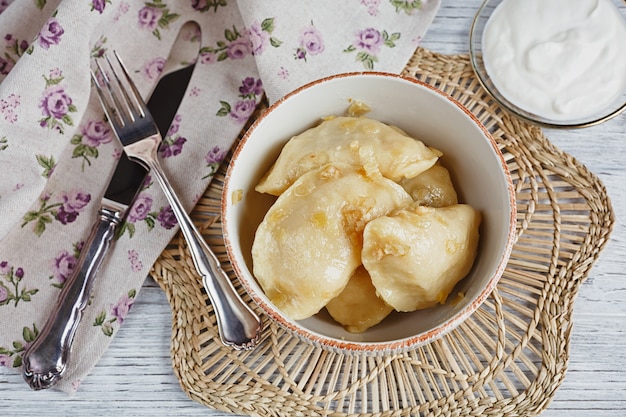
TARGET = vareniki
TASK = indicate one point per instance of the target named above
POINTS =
(367, 221)
(346, 140)
(417, 255)
(309, 244)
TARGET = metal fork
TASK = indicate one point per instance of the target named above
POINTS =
(134, 126)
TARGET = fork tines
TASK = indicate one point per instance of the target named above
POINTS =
(120, 107)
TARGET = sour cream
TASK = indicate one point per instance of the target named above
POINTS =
(559, 59)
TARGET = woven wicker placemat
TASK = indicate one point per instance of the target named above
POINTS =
(507, 359)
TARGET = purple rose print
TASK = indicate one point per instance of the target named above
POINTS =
(148, 18)
(63, 265)
(208, 58)
(175, 125)
(250, 91)
(96, 132)
(121, 309)
(9, 106)
(140, 209)
(199, 4)
(5, 360)
(12, 285)
(99, 5)
(4, 4)
(173, 143)
(242, 111)
(166, 218)
(368, 40)
(239, 44)
(367, 45)
(92, 134)
(213, 159)
(300, 54)
(99, 48)
(66, 217)
(147, 182)
(74, 202)
(65, 211)
(258, 38)
(215, 155)
(153, 68)
(6, 66)
(239, 49)
(14, 49)
(135, 263)
(155, 16)
(311, 43)
(172, 146)
(4, 268)
(251, 87)
(50, 34)
(142, 213)
(55, 102)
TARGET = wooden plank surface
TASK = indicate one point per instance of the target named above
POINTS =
(135, 378)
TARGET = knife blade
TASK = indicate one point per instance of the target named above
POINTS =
(45, 361)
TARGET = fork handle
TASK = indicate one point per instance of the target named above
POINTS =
(238, 325)
(45, 361)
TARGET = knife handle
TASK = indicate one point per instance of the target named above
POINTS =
(45, 361)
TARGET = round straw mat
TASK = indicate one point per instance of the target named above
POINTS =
(507, 359)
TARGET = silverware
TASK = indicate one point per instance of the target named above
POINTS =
(45, 361)
(134, 126)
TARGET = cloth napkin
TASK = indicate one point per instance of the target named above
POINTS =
(57, 151)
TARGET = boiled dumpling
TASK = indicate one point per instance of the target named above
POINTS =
(309, 243)
(416, 255)
(358, 307)
(346, 140)
(432, 188)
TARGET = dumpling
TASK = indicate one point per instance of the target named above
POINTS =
(358, 307)
(416, 255)
(346, 140)
(432, 188)
(309, 243)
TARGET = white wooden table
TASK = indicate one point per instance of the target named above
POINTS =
(135, 377)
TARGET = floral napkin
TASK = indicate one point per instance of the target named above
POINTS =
(57, 151)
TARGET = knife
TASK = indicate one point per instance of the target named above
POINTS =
(45, 361)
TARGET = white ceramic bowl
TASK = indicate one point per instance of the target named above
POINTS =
(476, 58)
(477, 167)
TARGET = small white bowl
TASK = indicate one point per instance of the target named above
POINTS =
(478, 64)
(476, 165)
